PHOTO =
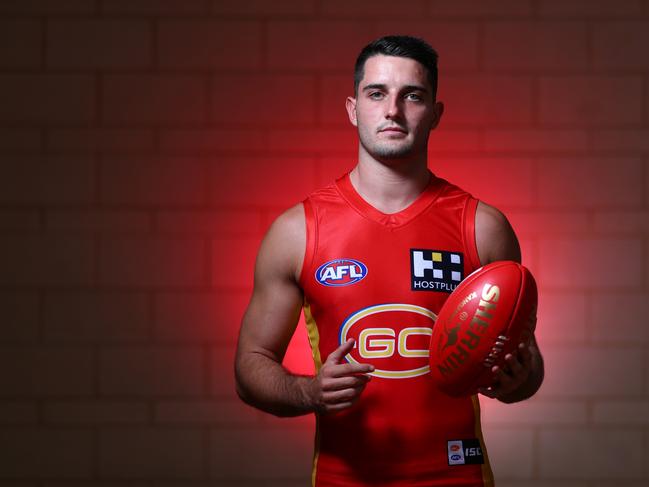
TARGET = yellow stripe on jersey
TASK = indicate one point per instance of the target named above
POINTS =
(314, 336)
(314, 341)
(487, 474)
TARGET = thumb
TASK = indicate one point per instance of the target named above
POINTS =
(337, 355)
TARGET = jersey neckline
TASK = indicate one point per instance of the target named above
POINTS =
(400, 218)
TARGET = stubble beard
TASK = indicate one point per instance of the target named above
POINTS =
(387, 150)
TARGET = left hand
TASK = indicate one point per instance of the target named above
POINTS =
(512, 375)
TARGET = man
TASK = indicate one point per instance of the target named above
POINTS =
(347, 255)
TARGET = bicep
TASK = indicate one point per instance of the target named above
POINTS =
(274, 309)
(270, 319)
(495, 237)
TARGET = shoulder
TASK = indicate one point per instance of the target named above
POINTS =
(495, 237)
(291, 223)
(282, 249)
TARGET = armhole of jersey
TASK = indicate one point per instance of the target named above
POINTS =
(468, 232)
(311, 240)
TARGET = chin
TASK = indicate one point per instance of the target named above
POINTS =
(393, 153)
(387, 151)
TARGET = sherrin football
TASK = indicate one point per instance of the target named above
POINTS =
(483, 319)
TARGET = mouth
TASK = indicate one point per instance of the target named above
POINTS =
(394, 130)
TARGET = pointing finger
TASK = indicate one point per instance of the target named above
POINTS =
(351, 369)
(336, 356)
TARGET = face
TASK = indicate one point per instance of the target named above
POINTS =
(394, 109)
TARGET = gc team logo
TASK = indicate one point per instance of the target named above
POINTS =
(393, 337)
(341, 272)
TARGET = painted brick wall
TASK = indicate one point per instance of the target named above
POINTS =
(146, 145)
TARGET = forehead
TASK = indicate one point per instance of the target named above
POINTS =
(393, 70)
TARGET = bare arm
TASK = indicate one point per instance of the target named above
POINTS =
(524, 372)
(267, 328)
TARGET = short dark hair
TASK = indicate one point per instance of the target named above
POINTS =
(402, 46)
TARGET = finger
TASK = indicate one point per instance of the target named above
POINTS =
(333, 408)
(336, 384)
(525, 353)
(344, 395)
(491, 392)
(336, 356)
(350, 394)
(514, 364)
(341, 370)
(501, 378)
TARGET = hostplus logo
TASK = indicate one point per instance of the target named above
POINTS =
(435, 270)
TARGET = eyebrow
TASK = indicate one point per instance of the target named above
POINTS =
(379, 86)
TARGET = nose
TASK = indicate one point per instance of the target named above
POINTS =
(393, 109)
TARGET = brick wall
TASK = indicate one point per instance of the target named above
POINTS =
(146, 145)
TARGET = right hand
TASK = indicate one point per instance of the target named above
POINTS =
(339, 385)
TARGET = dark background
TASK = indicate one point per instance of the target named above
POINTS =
(145, 147)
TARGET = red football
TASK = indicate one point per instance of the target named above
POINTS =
(483, 319)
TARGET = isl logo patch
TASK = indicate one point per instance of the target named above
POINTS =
(465, 452)
(435, 270)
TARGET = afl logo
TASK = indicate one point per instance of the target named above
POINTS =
(341, 272)
(394, 337)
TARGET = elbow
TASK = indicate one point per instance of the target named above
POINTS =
(239, 385)
(240, 391)
(243, 394)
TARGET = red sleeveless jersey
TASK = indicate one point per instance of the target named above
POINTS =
(381, 279)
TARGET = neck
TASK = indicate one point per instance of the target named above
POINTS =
(390, 188)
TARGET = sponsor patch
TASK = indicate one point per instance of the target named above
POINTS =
(465, 452)
(435, 270)
(394, 337)
(341, 272)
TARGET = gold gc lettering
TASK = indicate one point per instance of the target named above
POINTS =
(382, 342)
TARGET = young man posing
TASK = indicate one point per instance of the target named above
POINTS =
(371, 259)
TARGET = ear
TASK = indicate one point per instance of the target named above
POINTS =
(438, 110)
(350, 105)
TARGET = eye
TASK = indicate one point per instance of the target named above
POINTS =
(414, 97)
(376, 95)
